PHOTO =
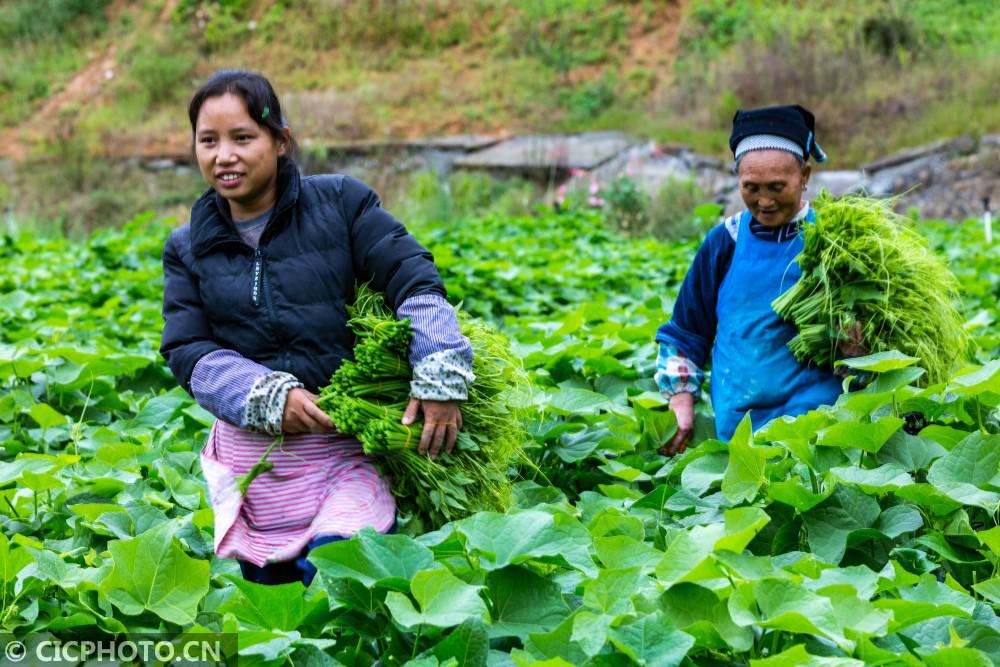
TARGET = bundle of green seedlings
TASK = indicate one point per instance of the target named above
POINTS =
(366, 398)
(866, 270)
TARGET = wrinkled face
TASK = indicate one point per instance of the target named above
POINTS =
(237, 157)
(771, 184)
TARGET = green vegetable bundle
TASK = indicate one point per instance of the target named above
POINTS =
(865, 268)
(366, 398)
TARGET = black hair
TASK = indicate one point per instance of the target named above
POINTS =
(255, 91)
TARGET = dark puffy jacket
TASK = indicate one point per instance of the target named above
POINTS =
(283, 304)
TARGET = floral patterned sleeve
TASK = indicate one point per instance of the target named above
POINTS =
(675, 373)
(441, 357)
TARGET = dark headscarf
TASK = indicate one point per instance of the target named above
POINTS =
(791, 128)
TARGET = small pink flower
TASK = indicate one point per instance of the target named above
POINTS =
(596, 202)
(576, 172)
(594, 188)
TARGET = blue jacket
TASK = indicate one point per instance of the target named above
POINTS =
(283, 305)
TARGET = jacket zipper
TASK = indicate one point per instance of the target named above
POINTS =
(258, 262)
(267, 294)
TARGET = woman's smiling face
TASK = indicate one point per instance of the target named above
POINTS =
(237, 157)
(771, 184)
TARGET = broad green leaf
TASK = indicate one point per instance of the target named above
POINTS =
(978, 381)
(928, 599)
(281, 607)
(929, 498)
(945, 436)
(611, 592)
(93, 511)
(887, 477)
(864, 402)
(199, 414)
(991, 538)
(158, 411)
(468, 644)
(702, 614)
(40, 481)
(879, 362)
(444, 601)
(510, 539)
(652, 640)
(699, 476)
(989, 589)
(745, 472)
(797, 656)
(863, 580)
(557, 644)
(46, 416)
(12, 560)
(571, 400)
(373, 559)
(858, 617)
(912, 453)
(963, 472)
(624, 472)
(830, 524)
(612, 521)
(741, 525)
(800, 428)
(940, 545)
(899, 519)
(785, 605)
(624, 551)
(869, 437)
(523, 602)
(955, 656)
(796, 493)
(151, 573)
(686, 555)
(579, 446)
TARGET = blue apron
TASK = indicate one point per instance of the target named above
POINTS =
(752, 369)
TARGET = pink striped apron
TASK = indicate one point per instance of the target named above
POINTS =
(321, 484)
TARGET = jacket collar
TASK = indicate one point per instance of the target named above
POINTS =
(212, 225)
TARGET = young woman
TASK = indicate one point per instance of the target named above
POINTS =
(255, 293)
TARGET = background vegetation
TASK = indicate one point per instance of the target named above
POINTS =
(880, 74)
(87, 85)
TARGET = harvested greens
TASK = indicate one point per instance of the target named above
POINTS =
(865, 268)
(366, 398)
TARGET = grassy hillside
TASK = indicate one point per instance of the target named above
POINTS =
(112, 77)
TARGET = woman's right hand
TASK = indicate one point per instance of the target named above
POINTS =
(682, 405)
(302, 415)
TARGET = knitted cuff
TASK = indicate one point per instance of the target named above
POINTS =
(442, 376)
(265, 404)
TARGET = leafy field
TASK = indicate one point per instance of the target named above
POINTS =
(835, 535)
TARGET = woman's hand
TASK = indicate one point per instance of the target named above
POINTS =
(442, 421)
(682, 404)
(302, 415)
(853, 343)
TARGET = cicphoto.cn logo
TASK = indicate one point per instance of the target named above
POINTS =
(200, 650)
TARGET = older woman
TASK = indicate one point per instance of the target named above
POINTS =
(724, 306)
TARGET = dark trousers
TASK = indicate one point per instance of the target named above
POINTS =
(289, 571)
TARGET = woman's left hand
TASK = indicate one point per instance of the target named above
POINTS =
(442, 421)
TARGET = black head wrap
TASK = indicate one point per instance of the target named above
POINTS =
(792, 122)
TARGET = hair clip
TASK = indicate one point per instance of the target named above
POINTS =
(264, 114)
